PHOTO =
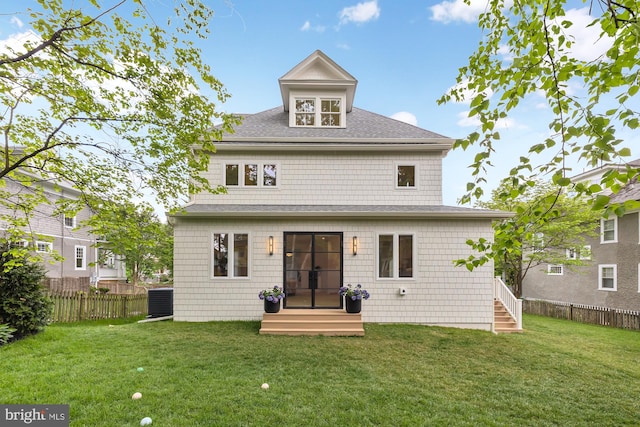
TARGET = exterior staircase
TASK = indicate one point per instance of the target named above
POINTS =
(503, 322)
(329, 322)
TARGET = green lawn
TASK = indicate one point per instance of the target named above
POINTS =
(557, 373)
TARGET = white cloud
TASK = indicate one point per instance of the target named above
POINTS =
(405, 117)
(308, 27)
(16, 21)
(458, 10)
(587, 43)
(362, 12)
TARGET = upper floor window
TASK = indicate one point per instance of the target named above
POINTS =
(395, 256)
(555, 270)
(43, 246)
(607, 277)
(69, 221)
(318, 111)
(251, 175)
(230, 255)
(609, 230)
(406, 176)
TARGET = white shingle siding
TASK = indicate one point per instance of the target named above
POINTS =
(331, 178)
(439, 293)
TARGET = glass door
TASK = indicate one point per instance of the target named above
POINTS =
(312, 270)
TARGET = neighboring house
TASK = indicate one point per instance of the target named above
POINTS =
(321, 194)
(611, 276)
(65, 236)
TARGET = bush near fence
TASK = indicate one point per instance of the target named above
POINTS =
(603, 316)
(69, 306)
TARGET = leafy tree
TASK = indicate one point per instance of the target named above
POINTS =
(99, 95)
(24, 306)
(546, 223)
(136, 234)
(535, 35)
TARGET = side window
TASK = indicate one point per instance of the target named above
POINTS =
(69, 221)
(395, 256)
(269, 175)
(230, 255)
(231, 175)
(607, 277)
(609, 230)
(43, 247)
(250, 175)
(555, 270)
(81, 258)
(406, 176)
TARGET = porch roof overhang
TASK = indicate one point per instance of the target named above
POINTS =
(337, 211)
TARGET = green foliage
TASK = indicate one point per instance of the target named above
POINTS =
(109, 100)
(6, 333)
(546, 223)
(23, 304)
(135, 234)
(584, 126)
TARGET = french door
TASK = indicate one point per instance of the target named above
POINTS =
(312, 269)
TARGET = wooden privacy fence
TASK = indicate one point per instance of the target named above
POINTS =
(75, 306)
(624, 319)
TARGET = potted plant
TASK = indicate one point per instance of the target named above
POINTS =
(353, 297)
(271, 299)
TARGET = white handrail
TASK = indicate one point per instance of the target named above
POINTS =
(510, 302)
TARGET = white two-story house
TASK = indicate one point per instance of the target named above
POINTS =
(322, 194)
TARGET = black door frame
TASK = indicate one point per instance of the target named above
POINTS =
(313, 274)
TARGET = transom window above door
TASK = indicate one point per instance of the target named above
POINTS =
(251, 175)
(317, 111)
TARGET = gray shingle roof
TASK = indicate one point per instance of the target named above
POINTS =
(361, 124)
(358, 211)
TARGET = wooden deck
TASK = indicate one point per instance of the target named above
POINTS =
(329, 322)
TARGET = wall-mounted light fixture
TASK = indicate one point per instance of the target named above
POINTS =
(354, 245)
(270, 245)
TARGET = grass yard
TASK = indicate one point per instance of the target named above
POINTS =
(558, 373)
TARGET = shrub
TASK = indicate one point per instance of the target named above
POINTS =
(6, 333)
(24, 305)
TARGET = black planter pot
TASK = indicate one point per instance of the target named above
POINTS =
(271, 307)
(352, 306)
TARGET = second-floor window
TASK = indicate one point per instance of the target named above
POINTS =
(251, 175)
(609, 230)
(69, 221)
(406, 176)
(43, 246)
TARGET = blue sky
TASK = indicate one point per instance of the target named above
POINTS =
(404, 54)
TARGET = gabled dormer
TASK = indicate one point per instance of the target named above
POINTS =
(318, 93)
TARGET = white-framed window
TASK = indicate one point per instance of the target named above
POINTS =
(572, 253)
(406, 176)
(251, 175)
(396, 256)
(555, 269)
(585, 252)
(317, 111)
(609, 230)
(43, 247)
(69, 221)
(18, 244)
(230, 255)
(607, 277)
(80, 258)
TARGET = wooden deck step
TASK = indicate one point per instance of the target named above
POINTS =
(503, 323)
(329, 322)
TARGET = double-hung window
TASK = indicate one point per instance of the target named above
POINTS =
(251, 175)
(230, 254)
(607, 277)
(43, 246)
(81, 258)
(609, 230)
(395, 256)
(69, 221)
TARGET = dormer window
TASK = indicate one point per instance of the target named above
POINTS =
(307, 113)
